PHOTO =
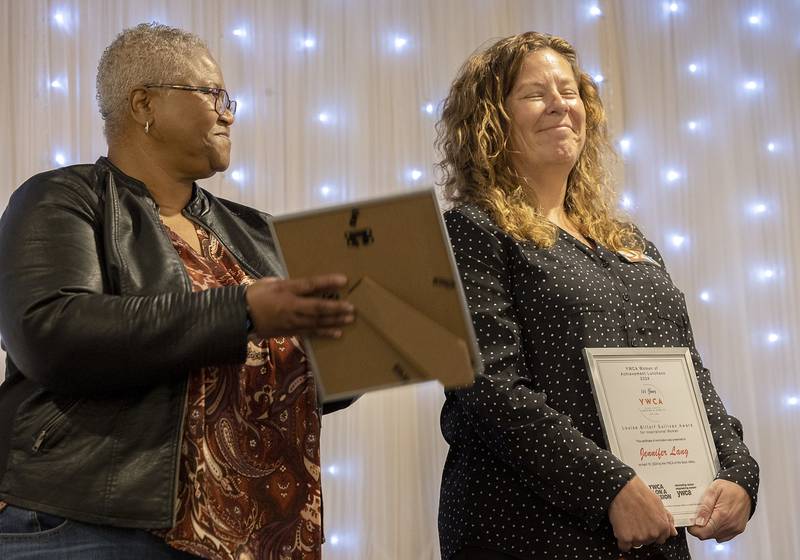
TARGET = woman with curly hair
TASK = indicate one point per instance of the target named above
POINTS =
(549, 269)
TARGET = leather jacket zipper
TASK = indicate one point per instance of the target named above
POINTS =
(52, 424)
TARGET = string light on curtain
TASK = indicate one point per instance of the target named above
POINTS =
(237, 175)
(772, 146)
(62, 18)
(325, 117)
(752, 85)
(792, 401)
(693, 126)
(624, 145)
(676, 240)
(672, 175)
(765, 274)
(705, 296)
(755, 20)
(626, 201)
(308, 42)
(429, 108)
(671, 7)
(240, 32)
(58, 83)
(773, 337)
(60, 158)
(598, 78)
(758, 208)
(399, 42)
(595, 11)
(328, 191)
(414, 174)
(332, 470)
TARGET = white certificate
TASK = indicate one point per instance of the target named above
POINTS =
(654, 420)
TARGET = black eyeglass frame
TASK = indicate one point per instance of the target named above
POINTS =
(220, 96)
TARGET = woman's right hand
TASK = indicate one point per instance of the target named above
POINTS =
(292, 307)
(639, 517)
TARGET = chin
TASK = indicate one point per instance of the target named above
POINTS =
(220, 163)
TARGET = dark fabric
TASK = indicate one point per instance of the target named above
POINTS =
(101, 328)
(527, 471)
(475, 553)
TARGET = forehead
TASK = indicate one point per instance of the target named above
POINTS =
(543, 64)
(203, 70)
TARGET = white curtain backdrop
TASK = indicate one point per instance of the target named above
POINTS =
(338, 99)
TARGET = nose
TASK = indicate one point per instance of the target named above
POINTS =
(558, 104)
(227, 117)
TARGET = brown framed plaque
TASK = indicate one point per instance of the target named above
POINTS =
(412, 322)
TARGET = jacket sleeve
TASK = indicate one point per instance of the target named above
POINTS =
(736, 463)
(508, 414)
(63, 332)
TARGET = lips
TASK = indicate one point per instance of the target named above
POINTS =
(557, 127)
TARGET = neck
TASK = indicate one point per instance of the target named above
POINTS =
(548, 186)
(171, 191)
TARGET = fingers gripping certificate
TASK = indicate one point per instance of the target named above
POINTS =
(654, 420)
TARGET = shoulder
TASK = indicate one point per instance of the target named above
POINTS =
(650, 248)
(73, 186)
(473, 221)
(474, 235)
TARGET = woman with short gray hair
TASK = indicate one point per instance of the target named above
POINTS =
(157, 403)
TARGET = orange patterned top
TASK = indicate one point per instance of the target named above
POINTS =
(249, 478)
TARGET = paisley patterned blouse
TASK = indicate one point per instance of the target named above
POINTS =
(249, 478)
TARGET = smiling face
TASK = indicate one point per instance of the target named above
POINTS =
(194, 140)
(548, 118)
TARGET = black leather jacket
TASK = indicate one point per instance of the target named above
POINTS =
(101, 328)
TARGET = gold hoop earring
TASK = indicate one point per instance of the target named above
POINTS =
(147, 127)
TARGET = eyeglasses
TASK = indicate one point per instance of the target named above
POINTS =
(222, 101)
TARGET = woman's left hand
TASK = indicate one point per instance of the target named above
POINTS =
(724, 512)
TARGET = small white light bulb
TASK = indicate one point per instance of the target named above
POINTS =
(240, 32)
(595, 11)
(705, 295)
(400, 43)
(60, 159)
(693, 68)
(672, 175)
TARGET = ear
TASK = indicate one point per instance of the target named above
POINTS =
(141, 106)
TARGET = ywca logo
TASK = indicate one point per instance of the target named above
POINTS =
(651, 402)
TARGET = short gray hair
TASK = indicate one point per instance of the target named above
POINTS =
(150, 53)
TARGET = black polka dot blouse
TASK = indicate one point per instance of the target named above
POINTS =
(527, 473)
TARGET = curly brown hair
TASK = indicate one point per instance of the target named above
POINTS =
(473, 138)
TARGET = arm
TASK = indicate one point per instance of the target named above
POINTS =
(737, 465)
(509, 415)
(730, 500)
(63, 332)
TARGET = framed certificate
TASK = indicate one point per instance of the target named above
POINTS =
(412, 321)
(654, 420)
